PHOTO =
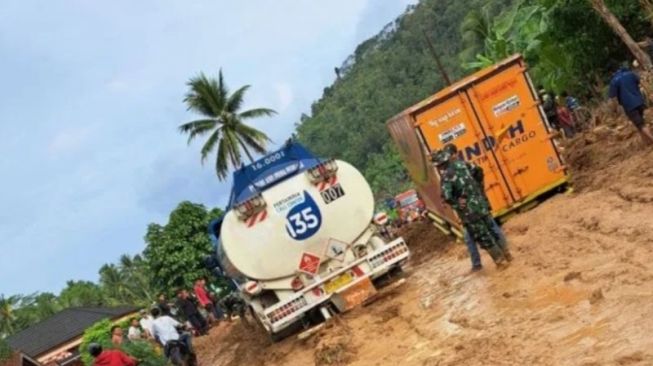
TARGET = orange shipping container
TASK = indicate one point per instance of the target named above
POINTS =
(495, 120)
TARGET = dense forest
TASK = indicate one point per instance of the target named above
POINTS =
(567, 45)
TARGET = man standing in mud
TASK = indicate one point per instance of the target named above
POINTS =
(466, 197)
(624, 87)
(477, 174)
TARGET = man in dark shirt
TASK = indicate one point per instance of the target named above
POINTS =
(624, 87)
(188, 308)
(163, 305)
(549, 107)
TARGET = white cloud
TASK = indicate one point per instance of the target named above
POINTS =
(117, 85)
(68, 141)
(285, 96)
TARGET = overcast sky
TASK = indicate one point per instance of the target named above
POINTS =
(91, 96)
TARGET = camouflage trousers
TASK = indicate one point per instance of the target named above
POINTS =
(480, 229)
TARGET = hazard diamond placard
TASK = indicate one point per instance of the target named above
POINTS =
(336, 250)
(310, 263)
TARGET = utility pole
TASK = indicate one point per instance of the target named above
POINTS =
(443, 72)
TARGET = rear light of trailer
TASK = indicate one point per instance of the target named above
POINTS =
(380, 218)
(323, 172)
(287, 310)
(250, 207)
(252, 288)
(296, 284)
(388, 255)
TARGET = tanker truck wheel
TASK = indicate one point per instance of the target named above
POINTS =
(394, 274)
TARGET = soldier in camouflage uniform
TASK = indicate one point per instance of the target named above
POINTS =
(477, 174)
(462, 191)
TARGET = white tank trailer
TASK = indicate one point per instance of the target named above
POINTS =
(299, 234)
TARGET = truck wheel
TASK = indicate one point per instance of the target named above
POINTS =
(314, 316)
(389, 277)
(396, 271)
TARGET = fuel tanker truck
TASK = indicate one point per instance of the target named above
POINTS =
(298, 238)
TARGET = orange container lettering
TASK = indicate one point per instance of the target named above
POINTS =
(494, 119)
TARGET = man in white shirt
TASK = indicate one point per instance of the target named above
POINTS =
(134, 330)
(164, 330)
(146, 324)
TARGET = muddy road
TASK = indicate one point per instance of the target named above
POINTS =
(580, 291)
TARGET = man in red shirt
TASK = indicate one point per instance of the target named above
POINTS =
(110, 357)
(205, 301)
(565, 118)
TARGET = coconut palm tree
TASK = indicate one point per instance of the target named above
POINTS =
(134, 269)
(223, 122)
(45, 305)
(8, 314)
(114, 284)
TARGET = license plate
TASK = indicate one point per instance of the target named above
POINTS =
(338, 283)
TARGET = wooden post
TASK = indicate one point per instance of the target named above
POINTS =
(614, 23)
(443, 72)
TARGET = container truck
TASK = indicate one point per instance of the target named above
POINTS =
(495, 119)
(298, 238)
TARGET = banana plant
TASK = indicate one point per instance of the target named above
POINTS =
(517, 30)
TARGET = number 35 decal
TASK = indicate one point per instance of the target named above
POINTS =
(304, 220)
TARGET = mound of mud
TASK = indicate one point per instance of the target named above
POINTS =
(234, 344)
(334, 347)
(593, 155)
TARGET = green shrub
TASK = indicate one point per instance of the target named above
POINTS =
(145, 352)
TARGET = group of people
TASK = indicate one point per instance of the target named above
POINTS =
(162, 329)
(625, 89)
(199, 309)
(166, 323)
(561, 111)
